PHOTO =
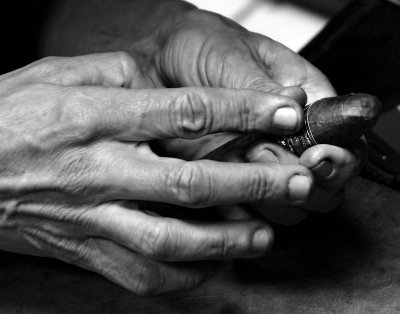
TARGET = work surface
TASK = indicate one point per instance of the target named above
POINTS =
(347, 261)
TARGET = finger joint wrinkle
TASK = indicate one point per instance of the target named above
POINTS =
(8, 211)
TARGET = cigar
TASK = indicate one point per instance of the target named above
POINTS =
(335, 120)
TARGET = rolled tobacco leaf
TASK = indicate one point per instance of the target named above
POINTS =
(336, 120)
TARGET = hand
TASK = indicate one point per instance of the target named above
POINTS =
(179, 45)
(332, 167)
(76, 158)
(205, 49)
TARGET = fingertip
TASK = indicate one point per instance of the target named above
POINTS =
(313, 156)
(283, 116)
(339, 156)
(324, 169)
(321, 161)
(263, 151)
(332, 166)
(299, 187)
(287, 119)
(260, 152)
(271, 112)
(287, 116)
(262, 240)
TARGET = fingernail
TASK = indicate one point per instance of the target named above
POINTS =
(323, 169)
(299, 187)
(286, 117)
(262, 240)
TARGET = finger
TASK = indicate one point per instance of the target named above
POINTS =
(266, 151)
(334, 166)
(263, 81)
(144, 276)
(242, 213)
(168, 239)
(249, 71)
(151, 278)
(140, 115)
(270, 74)
(115, 262)
(116, 69)
(287, 68)
(321, 199)
(126, 268)
(201, 183)
(281, 71)
(265, 65)
(192, 149)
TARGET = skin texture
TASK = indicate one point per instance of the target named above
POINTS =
(178, 45)
(78, 158)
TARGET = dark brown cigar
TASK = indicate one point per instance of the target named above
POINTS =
(336, 120)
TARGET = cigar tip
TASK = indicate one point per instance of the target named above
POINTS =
(343, 119)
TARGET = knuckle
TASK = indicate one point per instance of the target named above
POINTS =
(33, 92)
(77, 115)
(85, 172)
(78, 174)
(191, 115)
(33, 124)
(186, 188)
(154, 241)
(83, 253)
(261, 186)
(128, 66)
(72, 251)
(124, 58)
(55, 70)
(9, 213)
(247, 118)
(222, 245)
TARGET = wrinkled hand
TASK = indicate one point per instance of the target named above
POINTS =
(181, 46)
(75, 158)
(204, 49)
(333, 167)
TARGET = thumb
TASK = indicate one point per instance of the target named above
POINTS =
(295, 92)
(266, 84)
